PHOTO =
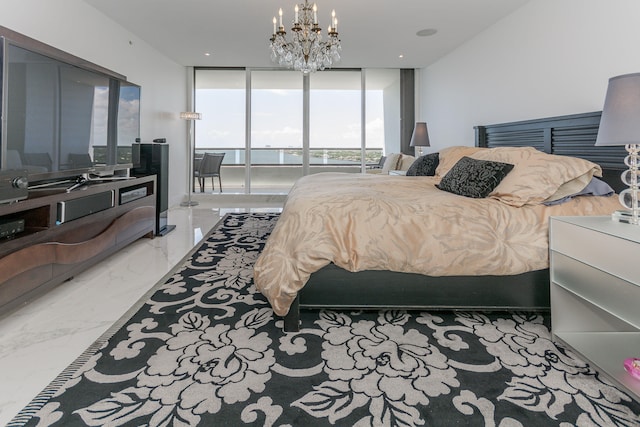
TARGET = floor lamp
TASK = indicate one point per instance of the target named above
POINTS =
(190, 116)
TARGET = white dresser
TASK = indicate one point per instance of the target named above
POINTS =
(595, 292)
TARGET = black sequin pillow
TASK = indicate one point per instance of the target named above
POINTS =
(474, 178)
(424, 165)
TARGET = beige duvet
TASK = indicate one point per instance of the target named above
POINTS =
(379, 222)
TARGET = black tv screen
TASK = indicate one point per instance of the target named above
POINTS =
(62, 120)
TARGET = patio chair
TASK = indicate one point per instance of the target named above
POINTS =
(209, 167)
(197, 159)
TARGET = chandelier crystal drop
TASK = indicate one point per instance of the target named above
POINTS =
(305, 51)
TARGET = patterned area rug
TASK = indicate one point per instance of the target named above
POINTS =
(205, 349)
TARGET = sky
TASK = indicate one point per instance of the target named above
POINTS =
(276, 119)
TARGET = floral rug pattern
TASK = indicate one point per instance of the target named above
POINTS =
(206, 350)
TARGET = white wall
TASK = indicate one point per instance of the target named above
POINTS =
(549, 58)
(79, 29)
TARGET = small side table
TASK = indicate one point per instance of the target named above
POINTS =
(595, 292)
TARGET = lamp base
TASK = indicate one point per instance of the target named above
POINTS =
(622, 216)
(629, 198)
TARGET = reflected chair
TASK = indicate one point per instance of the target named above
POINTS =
(209, 167)
(40, 160)
(81, 160)
(14, 161)
(32, 163)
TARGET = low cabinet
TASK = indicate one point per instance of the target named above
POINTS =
(60, 232)
(595, 292)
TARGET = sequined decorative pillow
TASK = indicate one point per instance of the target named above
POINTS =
(474, 178)
(424, 165)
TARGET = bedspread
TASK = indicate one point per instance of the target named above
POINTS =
(405, 224)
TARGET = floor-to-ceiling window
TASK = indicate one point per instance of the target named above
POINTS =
(220, 97)
(278, 125)
(335, 121)
(276, 129)
(382, 112)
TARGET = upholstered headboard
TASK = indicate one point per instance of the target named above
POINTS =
(572, 135)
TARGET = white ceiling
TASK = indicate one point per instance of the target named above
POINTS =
(374, 33)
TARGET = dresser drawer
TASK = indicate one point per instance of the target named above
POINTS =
(611, 254)
(608, 292)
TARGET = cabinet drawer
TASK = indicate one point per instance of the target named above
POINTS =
(603, 251)
(608, 292)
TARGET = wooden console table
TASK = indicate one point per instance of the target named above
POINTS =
(57, 244)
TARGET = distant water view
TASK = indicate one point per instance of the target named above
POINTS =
(288, 156)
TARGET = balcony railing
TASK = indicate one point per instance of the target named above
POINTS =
(276, 169)
(293, 156)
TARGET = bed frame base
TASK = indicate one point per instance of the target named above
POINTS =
(335, 288)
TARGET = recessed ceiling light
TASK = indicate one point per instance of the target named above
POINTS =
(207, 54)
(426, 32)
(401, 56)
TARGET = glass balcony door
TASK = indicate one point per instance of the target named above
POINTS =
(335, 116)
(382, 113)
(276, 130)
(220, 96)
(275, 126)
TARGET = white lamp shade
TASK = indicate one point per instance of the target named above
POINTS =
(420, 137)
(620, 122)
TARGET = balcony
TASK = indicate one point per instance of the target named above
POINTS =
(274, 170)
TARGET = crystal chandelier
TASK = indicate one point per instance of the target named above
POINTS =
(305, 51)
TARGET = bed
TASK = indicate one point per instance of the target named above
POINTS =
(351, 268)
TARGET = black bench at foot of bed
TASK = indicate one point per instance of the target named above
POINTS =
(335, 288)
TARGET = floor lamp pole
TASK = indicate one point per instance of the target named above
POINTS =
(190, 118)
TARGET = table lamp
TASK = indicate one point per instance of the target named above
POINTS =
(420, 137)
(620, 125)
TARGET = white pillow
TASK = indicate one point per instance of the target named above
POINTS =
(538, 177)
(391, 164)
(405, 162)
(449, 156)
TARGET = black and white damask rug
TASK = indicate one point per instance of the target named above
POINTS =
(205, 349)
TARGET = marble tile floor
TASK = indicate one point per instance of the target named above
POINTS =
(41, 338)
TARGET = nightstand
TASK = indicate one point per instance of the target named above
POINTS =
(595, 292)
